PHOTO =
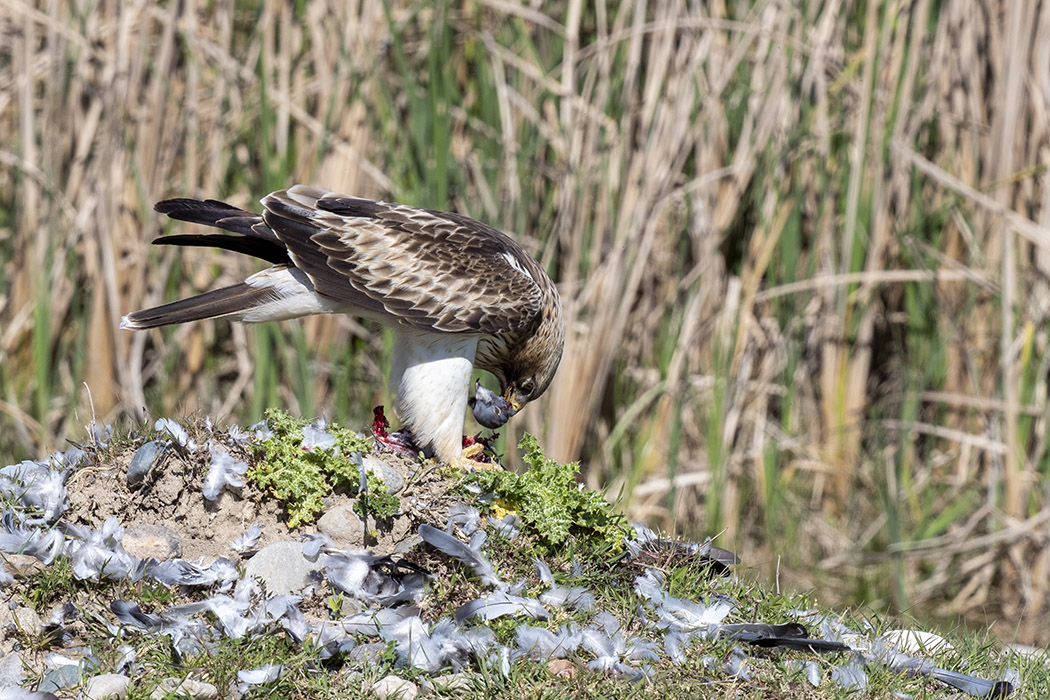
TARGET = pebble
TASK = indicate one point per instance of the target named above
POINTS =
(23, 564)
(108, 686)
(393, 481)
(60, 678)
(282, 568)
(562, 668)
(26, 621)
(143, 461)
(344, 526)
(180, 687)
(12, 670)
(408, 544)
(393, 687)
(147, 541)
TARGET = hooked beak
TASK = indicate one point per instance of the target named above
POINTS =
(510, 397)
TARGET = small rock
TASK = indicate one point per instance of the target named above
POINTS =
(393, 687)
(384, 472)
(351, 606)
(108, 686)
(408, 544)
(180, 687)
(143, 461)
(23, 564)
(282, 568)
(26, 621)
(366, 654)
(562, 668)
(147, 541)
(344, 526)
(12, 670)
(452, 683)
(60, 678)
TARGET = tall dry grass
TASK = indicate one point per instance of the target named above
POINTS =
(802, 247)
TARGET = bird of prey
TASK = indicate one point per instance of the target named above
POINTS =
(455, 292)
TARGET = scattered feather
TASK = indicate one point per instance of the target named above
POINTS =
(677, 613)
(248, 540)
(499, 604)
(37, 489)
(508, 526)
(809, 669)
(541, 644)
(315, 543)
(374, 580)
(466, 518)
(317, 439)
(543, 571)
(97, 554)
(177, 432)
(914, 666)
(44, 544)
(127, 662)
(916, 642)
(371, 622)
(258, 676)
(735, 664)
(224, 471)
(467, 554)
(851, 676)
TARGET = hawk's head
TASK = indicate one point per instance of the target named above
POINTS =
(526, 371)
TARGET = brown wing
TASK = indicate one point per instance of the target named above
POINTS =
(426, 269)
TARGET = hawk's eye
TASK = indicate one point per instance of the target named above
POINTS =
(527, 386)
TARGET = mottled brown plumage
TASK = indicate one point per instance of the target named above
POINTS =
(455, 291)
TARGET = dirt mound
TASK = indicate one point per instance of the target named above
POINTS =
(170, 496)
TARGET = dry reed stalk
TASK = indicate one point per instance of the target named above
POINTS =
(667, 161)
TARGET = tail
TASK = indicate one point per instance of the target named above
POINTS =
(277, 293)
(253, 237)
(234, 301)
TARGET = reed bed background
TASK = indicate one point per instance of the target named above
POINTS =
(803, 249)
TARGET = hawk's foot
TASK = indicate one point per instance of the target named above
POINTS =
(467, 462)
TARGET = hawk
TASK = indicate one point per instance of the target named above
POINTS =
(456, 293)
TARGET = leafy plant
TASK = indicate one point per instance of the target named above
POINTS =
(551, 504)
(301, 478)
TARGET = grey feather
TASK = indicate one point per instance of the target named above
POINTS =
(466, 554)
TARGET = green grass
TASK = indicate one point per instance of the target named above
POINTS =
(579, 560)
(651, 156)
(299, 479)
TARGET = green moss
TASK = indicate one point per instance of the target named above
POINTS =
(551, 505)
(300, 479)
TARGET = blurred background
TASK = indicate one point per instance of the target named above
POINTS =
(803, 249)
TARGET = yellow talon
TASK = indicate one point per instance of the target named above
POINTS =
(472, 451)
(467, 461)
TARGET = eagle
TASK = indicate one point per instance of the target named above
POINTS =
(455, 292)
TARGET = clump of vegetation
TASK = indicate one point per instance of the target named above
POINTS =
(378, 502)
(550, 504)
(300, 478)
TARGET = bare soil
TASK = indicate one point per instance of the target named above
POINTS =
(171, 497)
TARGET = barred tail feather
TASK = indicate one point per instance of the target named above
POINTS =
(228, 301)
(274, 294)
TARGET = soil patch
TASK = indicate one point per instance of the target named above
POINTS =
(171, 497)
